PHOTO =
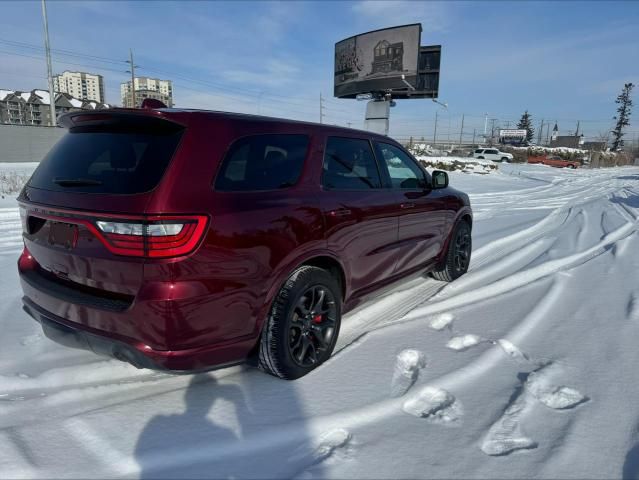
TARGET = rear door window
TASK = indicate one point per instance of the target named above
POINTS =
(107, 160)
(349, 164)
(262, 162)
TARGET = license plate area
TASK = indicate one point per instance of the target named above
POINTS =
(63, 234)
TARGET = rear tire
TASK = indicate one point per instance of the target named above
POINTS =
(303, 324)
(505, 159)
(480, 158)
(457, 258)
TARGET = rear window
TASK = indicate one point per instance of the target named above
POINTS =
(107, 160)
(262, 162)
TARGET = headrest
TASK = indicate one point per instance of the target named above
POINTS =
(122, 156)
(274, 158)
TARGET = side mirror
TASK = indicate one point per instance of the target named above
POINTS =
(440, 179)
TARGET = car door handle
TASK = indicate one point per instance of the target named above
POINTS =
(340, 212)
(407, 205)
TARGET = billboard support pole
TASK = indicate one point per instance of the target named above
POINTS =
(461, 133)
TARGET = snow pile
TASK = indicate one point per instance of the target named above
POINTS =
(13, 176)
(427, 150)
(461, 164)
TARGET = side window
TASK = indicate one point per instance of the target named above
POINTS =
(479, 151)
(349, 164)
(403, 171)
(262, 162)
(491, 152)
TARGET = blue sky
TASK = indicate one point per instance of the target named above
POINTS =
(563, 61)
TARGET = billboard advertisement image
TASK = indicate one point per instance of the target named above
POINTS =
(375, 61)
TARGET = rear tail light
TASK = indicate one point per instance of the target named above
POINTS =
(153, 237)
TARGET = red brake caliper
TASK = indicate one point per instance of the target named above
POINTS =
(317, 319)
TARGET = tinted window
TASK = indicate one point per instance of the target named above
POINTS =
(99, 160)
(479, 151)
(349, 164)
(491, 152)
(262, 162)
(403, 171)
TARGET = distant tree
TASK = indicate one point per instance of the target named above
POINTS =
(623, 115)
(526, 124)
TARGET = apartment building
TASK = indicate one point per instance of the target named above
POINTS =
(146, 87)
(81, 85)
(32, 108)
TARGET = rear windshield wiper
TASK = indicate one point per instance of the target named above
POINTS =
(76, 182)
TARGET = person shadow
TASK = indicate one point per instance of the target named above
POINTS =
(191, 444)
(631, 464)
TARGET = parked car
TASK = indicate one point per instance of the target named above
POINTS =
(555, 161)
(185, 240)
(492, 154)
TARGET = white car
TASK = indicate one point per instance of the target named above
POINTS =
(492, 154)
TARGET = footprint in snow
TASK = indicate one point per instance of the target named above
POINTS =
(512, 351)
(407, 366)
(505, 435)
(434, 404)
(464, 342)
(442, 321)
(556, 397)
(322, 447)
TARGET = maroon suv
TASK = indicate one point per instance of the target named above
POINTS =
(183, 240)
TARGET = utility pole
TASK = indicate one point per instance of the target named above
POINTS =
(132, 72)
(435, 133)
(47, 50)
(485, 124)
(492, 129)
(462, 131)
(321, 108)
(474, 131)
(541, 132)
(577, 131)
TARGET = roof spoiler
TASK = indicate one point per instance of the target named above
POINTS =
(117, 116)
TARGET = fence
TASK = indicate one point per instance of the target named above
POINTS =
(23, 143)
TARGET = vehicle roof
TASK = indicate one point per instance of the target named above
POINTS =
(185, 115)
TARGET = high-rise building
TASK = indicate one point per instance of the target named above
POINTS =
(82, 85)
(146, 87)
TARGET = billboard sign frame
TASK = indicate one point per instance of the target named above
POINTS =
(380, 61)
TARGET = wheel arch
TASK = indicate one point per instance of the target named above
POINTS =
(321, 259)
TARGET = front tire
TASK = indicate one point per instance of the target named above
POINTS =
(505, 159)
(457, 258)
(303, 324)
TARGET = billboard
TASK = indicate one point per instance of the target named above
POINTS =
(512, 136)
(375, 61)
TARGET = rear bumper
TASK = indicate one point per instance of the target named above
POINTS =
(73, 335)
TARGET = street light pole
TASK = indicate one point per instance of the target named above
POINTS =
(49, 70)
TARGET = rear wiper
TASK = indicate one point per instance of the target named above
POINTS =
(76, 182)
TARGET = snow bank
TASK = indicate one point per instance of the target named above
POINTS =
(13, 176)
(460, 164)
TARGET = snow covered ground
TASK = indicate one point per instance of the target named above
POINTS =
(525, 367)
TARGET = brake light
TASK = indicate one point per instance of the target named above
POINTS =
(155, 237)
